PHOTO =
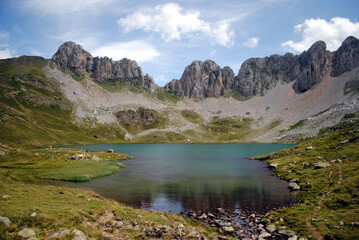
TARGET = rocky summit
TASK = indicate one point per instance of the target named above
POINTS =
(259, 75)
(73, 58)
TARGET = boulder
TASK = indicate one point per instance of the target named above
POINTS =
(294, 186)
(271, 228)
(27, 233)
(228, 229)
(321, 164)
(79, 235)
(5, 221)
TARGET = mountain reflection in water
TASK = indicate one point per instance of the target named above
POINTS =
(176, 177)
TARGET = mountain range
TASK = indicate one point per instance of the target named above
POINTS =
(271, 99)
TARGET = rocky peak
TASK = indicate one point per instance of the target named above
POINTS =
(72, 57)
(310, 67)
(346, 58)
(258, 75)
(203, 79)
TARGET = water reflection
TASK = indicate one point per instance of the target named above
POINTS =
(176, 177)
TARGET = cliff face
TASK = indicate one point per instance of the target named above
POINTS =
(259, 75)
(72, 57)
(200, 80)
(346, 58)
(203, 79)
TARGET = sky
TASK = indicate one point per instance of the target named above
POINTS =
(166, 36)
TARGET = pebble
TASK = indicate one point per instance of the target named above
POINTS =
(33, 214)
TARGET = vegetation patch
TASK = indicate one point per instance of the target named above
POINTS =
(326, 168)
(141, 119)
(192, 116)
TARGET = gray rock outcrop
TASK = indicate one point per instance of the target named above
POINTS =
(202, 79)
(346, 58)
(72, 57)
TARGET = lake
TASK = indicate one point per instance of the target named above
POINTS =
(178, 177)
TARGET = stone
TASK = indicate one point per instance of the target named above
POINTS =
(79, 235)
(287, 233)
(2, 153)
(95, 158)
(320, 164)
(293, 238)
(310, 148)
(27, 233)
(5, 221)
(264, 235)
(271, 228)
(110, 150)
(355, 224)
(273, 165)
(33, 214)
(344, 142)
(5, 197)
(228, 229)
(293, 186)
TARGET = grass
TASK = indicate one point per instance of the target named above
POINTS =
(56, 164)
(333, 193)
(192, 116)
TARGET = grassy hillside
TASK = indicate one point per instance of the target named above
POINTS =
(329, 207)
(34, 112)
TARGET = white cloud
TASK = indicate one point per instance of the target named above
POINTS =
(173, 23)
(252, 42)
(5, 53)
(64, 6)
(135, 50)
(333, 33)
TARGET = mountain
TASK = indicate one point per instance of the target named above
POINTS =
(257, 76)
(73, 58)
(74, 96)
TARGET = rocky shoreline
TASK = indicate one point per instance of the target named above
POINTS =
(240, 225)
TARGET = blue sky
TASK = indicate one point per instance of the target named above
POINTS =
(166, 36)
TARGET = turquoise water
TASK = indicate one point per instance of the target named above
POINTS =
(177, 177)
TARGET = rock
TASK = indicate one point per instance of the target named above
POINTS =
(33, 214)
(95, 136)
(287, 233)
(201, 80)
(141, 116)
(5, 197)
(73, 58)
(336, 161)
(2, 153)
(294, 186)
(310, 67)
(273, 165)
(95, 158)
(344, 142)
(321, 164)
(5, 221)
(355, 224)
(346, 58)
(264, 235)
(27, 233)
(110, 150)
(341, 223)
(271, 228)
(61, 234)
(293, 238)
(228, 229)
(310, 148)
(79, 235)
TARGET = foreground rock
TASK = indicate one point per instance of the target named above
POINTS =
(5, 221)
(238, 224)
(27, 234)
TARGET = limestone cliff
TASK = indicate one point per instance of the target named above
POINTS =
(72, 57)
